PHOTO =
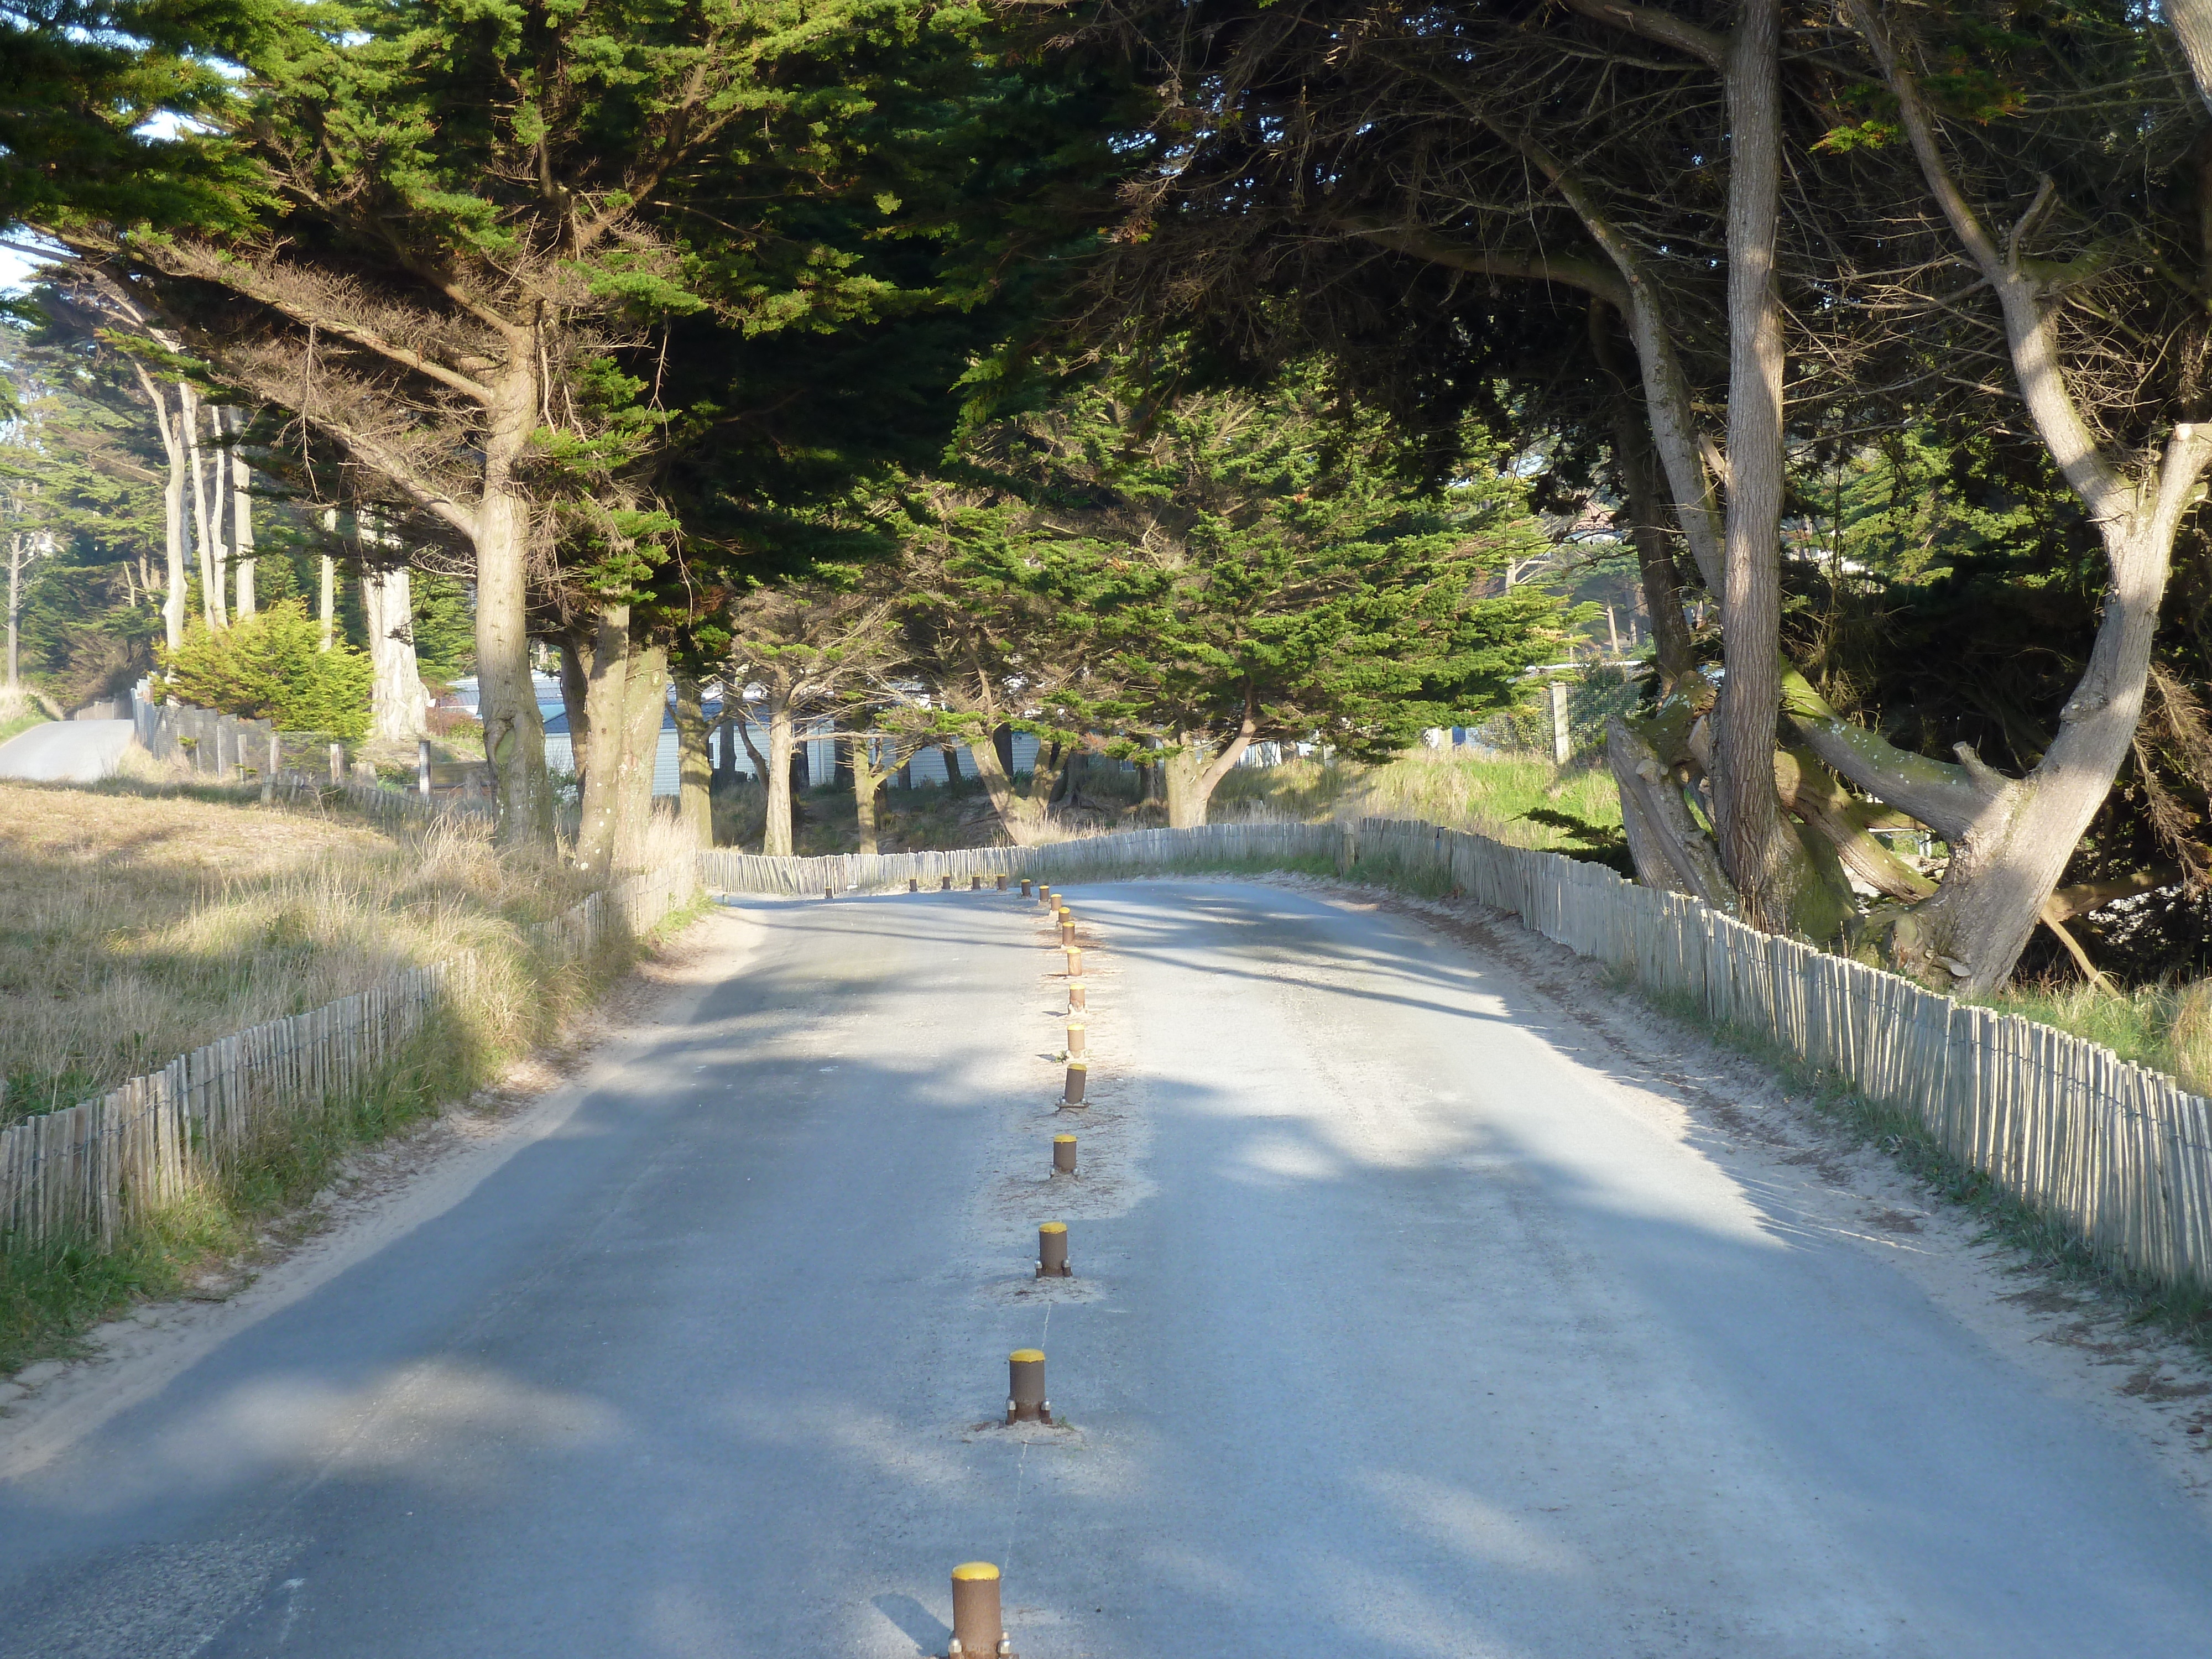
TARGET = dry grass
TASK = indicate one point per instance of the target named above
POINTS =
(1491, 796)
(134, 926)
(2167, 1027)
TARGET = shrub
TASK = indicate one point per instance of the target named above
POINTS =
(271, 666)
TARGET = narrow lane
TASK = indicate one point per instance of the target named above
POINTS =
(1395, 1332)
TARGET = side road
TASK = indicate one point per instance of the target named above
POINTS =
(65, 751)
(1427, 1303)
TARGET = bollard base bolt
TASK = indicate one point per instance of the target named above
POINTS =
(1038, 1414)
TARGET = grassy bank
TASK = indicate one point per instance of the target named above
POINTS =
(1524, 801)
(138, 923)
(2167, 1027)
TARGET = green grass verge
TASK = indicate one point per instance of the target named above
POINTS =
(23, 722)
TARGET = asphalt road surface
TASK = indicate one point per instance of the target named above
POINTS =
(1394, 1334)
(65, 751)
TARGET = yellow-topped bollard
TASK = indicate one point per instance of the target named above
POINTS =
(1063, 1154)
(1078, 1074)
(1076, 1032)
(979, 1629)
(1074, 954)
(1052, 1250)
(1025, 1401)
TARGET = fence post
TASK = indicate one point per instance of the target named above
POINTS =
(422, 767)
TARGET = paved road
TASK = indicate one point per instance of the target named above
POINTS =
(1397, 1334)
(65, 751)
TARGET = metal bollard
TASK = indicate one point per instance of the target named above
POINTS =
(1072, 1094)
(828, 891)
(1025, 886)
(1025, 1401)
(1045, 895)
(1067, 926)
(1076, 1003)
(1063, 1154)
(979, 1629)
(1075, 1036)
(913, 883)
(974, 884)
(1074, 961)
(946, 886)
(1002, 883)
(1052, 1250)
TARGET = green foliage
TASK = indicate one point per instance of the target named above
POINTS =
(444, 626)
(268, 666)
(1220, 558)
(82, 83)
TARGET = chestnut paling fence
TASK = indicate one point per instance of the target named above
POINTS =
(90, 1170)
(2118, 1156)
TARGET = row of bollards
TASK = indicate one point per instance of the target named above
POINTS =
(978, 1621)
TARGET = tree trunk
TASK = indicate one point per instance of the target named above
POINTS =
(775, 834)
(15, 561)
(1670, 848)
(1655, 559)
(725, 744)
(173, 511)
(606, 683)
(1753, 843)
(694, 765)
(396, 711)
(744, 729)
(868, 779)
(999, 787)
(241, 521)
(2010, 839)
(326, 602)
(950, 751)
(1181, 768)
(514, 736)
(645, 712)
(576, 688)
(214, 563)
(2192, 26)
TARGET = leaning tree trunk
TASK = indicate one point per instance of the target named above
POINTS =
(515, 735)
(775, 834)
(645, 712)
(1647, 531)
(214, 564)
(576, 688)
(868, 779)
(606, 661)
(694, 767)
(1755, 847)
(999, 787)
(241, 520)
(2011, 838)
(396, 709)
(172, 508)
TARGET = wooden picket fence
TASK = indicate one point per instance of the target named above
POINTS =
(2118, 1156)
(92, 1169)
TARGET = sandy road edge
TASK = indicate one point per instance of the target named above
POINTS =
(1813, 1173)
(423, 1175)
